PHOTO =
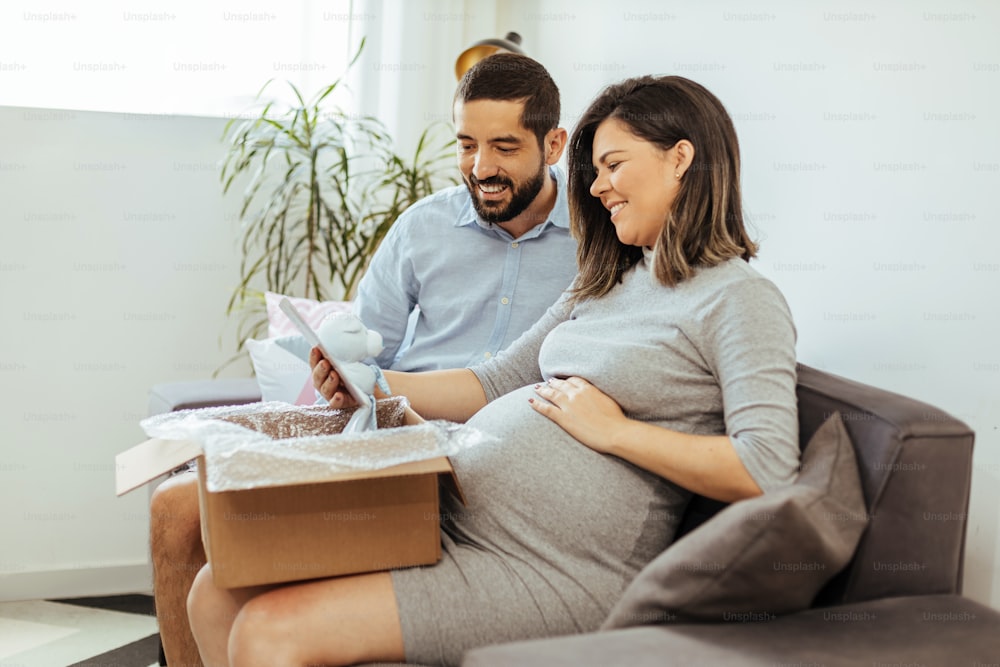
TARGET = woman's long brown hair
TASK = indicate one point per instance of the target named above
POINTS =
(705, 224)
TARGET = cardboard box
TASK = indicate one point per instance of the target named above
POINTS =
(347, 523)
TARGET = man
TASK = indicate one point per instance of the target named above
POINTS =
(483, 261)
(474, 265)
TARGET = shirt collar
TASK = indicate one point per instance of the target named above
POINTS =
(559, 216)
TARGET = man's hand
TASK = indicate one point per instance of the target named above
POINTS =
(582, 410)
(327, 382)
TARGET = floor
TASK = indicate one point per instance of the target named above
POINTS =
(93, 632)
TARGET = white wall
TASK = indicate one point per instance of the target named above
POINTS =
(117, 254)
(871, 163)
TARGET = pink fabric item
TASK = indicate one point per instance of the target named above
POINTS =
(312, 312)
(308, 394)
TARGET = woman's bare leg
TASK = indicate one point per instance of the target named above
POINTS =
(339, 621)
(211, 612)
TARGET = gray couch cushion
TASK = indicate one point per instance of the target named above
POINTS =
(767, 555)
(931, 631)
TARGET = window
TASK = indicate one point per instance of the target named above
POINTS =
(190, 57)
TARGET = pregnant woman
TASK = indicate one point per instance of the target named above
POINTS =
(667, 369)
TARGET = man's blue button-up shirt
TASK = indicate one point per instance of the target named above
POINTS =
(472, 288)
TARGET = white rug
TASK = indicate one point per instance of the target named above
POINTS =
(39, 633)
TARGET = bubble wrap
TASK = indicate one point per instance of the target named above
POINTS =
(278, 444)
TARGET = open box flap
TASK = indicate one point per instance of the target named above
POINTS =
(150, 459)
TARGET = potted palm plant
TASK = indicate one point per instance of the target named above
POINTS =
(322, 189)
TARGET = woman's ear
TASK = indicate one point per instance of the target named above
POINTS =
(683, 157)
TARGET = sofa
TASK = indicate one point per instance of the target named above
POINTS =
(898, 600)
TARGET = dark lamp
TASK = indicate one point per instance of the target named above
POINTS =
(486, 47)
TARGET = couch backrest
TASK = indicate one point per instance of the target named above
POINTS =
(915, 463)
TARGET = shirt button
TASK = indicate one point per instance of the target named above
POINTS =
(514, 244)
(505, 301)
(488, 355)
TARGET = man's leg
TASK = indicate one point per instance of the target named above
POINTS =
(178, 555)
(340, 621)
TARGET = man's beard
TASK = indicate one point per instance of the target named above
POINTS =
(521, 196)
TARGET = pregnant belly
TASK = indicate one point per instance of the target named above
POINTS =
(537, 484)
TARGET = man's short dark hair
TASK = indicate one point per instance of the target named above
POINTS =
(514, 77)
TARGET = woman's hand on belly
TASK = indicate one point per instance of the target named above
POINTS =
(705, 464)
(582, 410)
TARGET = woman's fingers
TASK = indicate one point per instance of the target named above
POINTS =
(324, 379)
(581, 409)
(555, 388)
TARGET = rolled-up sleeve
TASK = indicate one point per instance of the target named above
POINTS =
(751, 348)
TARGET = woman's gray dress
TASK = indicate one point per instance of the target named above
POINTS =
(553, 531)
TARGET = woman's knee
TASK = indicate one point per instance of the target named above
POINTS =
(204, 599)
(286, 626)
(263, 635)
